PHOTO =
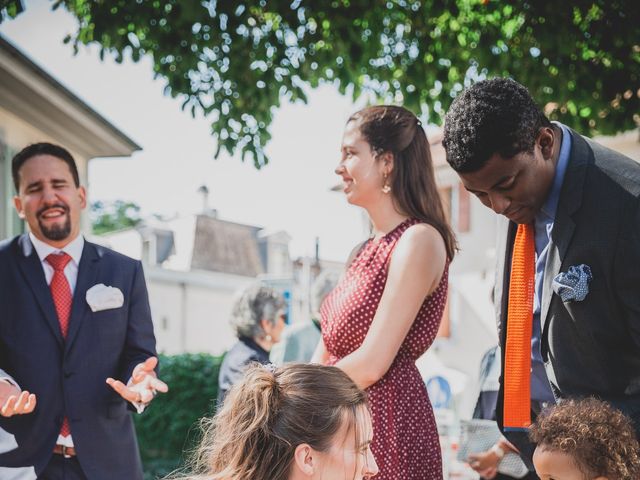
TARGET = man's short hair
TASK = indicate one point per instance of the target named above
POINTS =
(493, 116)
(42, 148)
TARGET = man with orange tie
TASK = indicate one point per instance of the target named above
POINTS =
(76, 338)
(568, 255)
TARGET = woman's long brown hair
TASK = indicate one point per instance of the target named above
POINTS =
(393, 129)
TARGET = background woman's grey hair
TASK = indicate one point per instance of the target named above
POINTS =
(255, 303)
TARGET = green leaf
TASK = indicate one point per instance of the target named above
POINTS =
(376, 47)
(193, 389)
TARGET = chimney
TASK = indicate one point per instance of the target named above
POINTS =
(206, 210)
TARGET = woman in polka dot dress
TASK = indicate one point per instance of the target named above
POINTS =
(385, 311)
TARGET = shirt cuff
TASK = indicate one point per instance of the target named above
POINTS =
(10, 381)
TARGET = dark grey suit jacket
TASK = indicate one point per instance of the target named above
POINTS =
(590, 347)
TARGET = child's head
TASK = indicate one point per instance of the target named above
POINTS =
(585, 440)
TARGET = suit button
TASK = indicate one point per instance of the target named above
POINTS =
(67, 374)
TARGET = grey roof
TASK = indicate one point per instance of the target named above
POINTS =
(228, 247)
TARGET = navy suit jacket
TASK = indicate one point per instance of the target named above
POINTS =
(68, 376)
(590, 347)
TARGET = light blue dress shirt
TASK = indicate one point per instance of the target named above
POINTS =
(540, 388)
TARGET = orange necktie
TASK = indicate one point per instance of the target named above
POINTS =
(517, 357)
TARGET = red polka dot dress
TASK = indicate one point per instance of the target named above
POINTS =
(405, 443)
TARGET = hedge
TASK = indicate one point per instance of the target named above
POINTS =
(168, 429)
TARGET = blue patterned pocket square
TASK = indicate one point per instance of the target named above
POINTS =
(574, 284)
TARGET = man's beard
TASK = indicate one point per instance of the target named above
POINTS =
(57, 232)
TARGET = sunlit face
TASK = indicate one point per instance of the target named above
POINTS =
(362, 173)
(349, 456)
(516, 187)
(556, 465)
(49, 200)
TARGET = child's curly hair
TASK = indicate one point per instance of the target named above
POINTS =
(600, 438)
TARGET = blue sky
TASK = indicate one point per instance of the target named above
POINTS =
(291, 193)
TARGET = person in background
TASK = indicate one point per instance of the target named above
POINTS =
(258, 317)
(486, 463)
(387, 307)
(299, 341)
(296, 422)
(585, 439)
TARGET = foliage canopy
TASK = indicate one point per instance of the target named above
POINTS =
(236, 61)
(110, 216)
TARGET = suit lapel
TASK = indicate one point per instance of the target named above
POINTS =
(87, 275)
(563, 230)
(563, 225)
(31, 269)
(504, 247)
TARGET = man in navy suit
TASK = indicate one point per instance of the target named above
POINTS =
(76, 339)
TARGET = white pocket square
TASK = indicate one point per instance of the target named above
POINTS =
(101, 297)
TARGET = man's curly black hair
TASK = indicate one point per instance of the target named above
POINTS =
(492, 116)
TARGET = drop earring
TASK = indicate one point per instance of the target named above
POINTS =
(386, 188)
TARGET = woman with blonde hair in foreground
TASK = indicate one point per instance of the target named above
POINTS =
(297, 422)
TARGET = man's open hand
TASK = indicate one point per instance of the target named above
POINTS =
(144, 383)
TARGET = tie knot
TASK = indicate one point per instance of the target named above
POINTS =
(58, 261)
(526, 232)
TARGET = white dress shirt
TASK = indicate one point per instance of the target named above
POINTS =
(74, 250)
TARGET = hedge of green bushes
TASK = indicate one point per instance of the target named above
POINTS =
(169, 429)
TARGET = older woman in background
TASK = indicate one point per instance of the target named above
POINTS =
(258, 317)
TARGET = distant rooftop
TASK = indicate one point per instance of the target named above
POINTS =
(223, 246)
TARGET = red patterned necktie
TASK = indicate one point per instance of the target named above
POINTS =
(517, 358)
(62, 299)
